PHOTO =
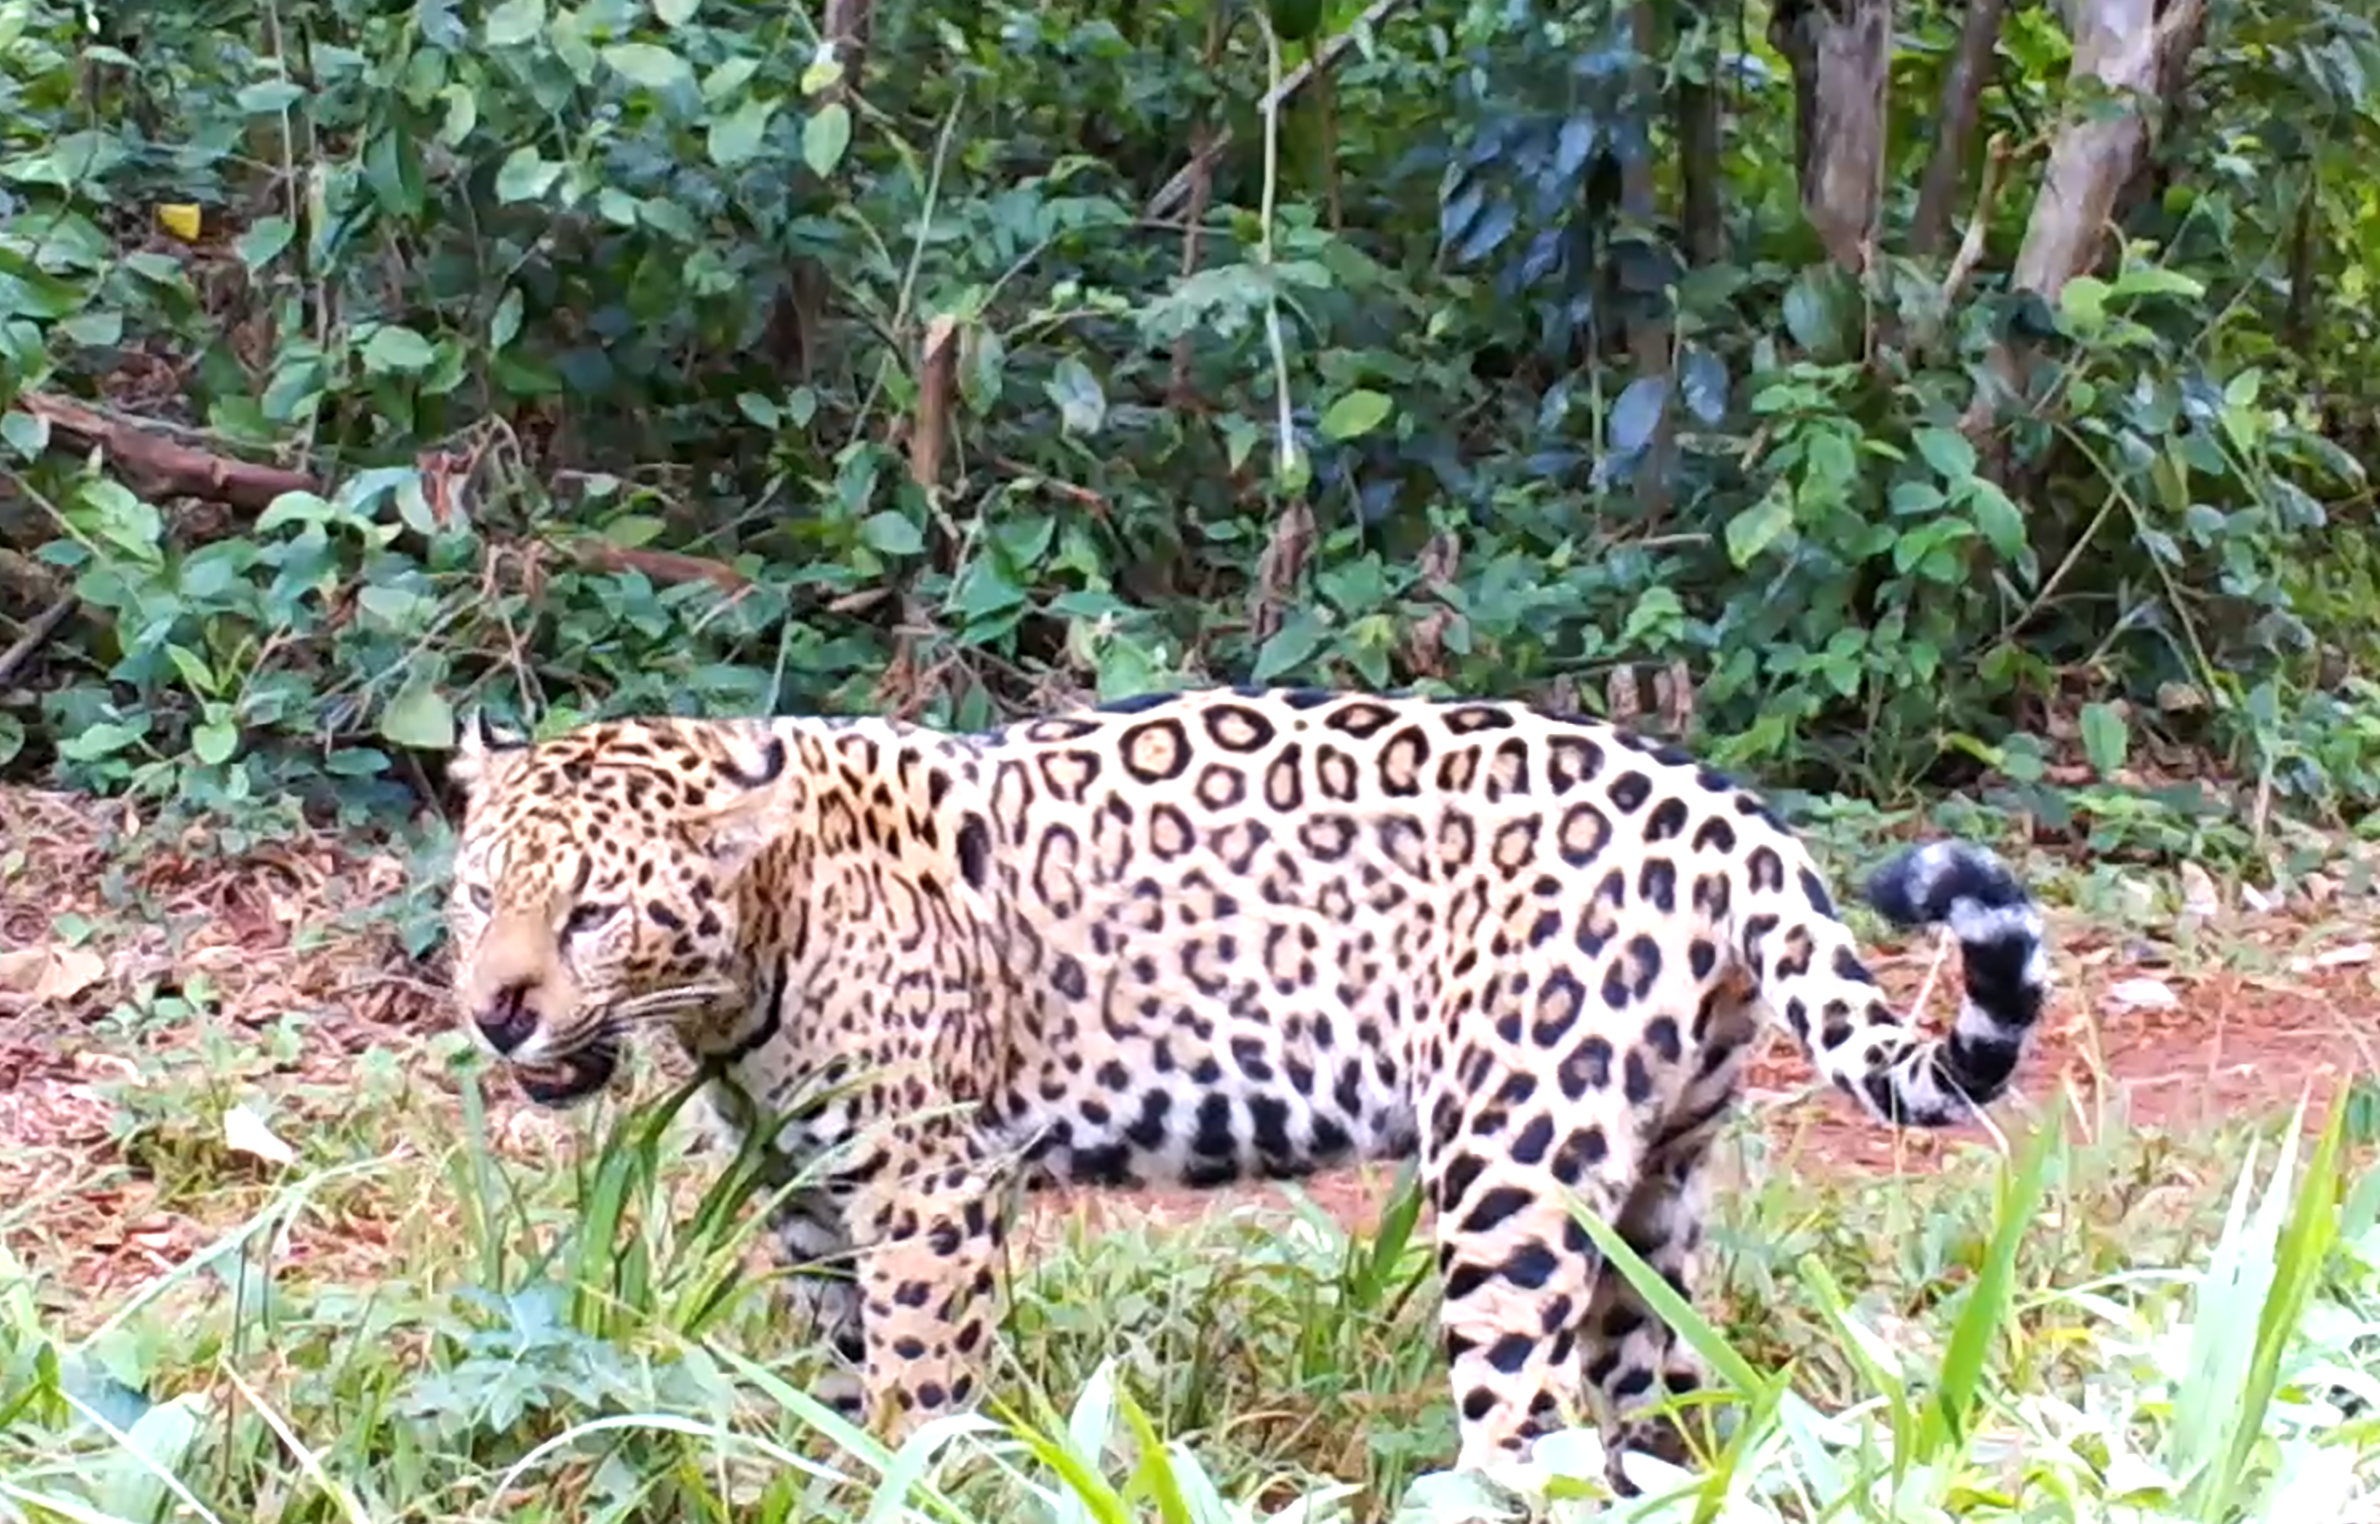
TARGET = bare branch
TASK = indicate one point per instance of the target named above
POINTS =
(157, 467)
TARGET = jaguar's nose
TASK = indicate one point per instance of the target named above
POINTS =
(506, 1021)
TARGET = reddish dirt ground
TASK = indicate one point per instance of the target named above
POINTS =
(2288, 1008)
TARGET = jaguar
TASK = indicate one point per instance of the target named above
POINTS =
(1203, 937)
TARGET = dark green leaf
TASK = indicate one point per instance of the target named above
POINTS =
(1301, 635)
(1703, 379)
(1813, 315)
(1947, 451)
(733, 139)
(263, 242)
(2106, 738)
(1637, 414)
(892, 534)
(392, 348)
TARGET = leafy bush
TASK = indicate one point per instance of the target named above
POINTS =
(638, 361)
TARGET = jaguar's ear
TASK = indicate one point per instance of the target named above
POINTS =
(479, 741)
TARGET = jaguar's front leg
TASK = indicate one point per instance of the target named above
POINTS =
(933, 1226)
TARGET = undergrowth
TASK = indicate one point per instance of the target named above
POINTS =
(2102, 1326)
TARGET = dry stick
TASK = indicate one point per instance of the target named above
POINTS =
(1202, 190)
(162, 467)
(937, 373)
(38, 630)
(1175, 191)
(1970, 254)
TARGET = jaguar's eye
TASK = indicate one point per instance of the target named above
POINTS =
(585, 918)
(483, 899)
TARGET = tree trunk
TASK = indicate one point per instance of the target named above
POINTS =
(1962, 94)
(2125, 47)
(1648, 338)
(1698, 173)
(2126, 52)
(1841, 55)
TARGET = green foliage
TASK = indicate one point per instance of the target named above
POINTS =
(543, 290)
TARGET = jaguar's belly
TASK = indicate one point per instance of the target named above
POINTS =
(1204, 1093)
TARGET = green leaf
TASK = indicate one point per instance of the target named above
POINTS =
(2106, 738)
(734, 138)
(525, 176)
(634, 529)
(103, 739)
(759, 409)
(506, 325)
(1658, 616)
(100, 328)
(462, 114)
(1703, 380)
(419, 717)
(1947, 451)
(109, 511)
(2156, 280)
(1356, 414)
(648, 64)
(1637, 413)
(193, 668)
(515, 22)
(728, 78)
(892, 534)
(27, 433)
(664, 215)
(1759, 526)
(2001, 521)
(1914, 497)
(824, 138)
(268, 97)
(1240, 438)
(396, 348)
(214, 742)
(2083, 302)
(1292, 645)
(263, 242)
(1812, 314)
(676, 13)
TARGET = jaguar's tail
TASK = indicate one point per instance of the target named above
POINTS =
(1810, 971)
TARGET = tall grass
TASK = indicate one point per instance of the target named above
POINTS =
(2118, 1331)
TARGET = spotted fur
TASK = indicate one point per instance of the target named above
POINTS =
(1202, 938)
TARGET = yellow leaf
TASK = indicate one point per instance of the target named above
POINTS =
(180, 218)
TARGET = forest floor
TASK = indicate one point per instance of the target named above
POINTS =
(147, 997)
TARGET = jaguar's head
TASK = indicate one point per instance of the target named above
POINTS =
(596, 885)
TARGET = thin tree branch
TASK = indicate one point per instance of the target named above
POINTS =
(1175, 191)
